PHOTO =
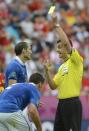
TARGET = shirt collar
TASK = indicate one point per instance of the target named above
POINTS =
(32, 84)
(36, 88)
(19, 60)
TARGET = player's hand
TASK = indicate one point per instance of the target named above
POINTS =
(41, 104)
(39, 129)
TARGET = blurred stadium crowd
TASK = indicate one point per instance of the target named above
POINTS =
(28, 20)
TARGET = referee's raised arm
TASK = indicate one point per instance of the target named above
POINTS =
(60, 34)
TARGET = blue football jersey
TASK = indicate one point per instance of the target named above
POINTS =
(16, 71)
(18, 96)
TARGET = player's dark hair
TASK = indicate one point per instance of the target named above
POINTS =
(19, 47)
(37, 78)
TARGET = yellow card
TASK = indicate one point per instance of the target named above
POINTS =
(51, 10)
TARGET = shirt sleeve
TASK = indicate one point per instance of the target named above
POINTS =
(12, 75)
(34, 101)
(35, 98)
(75, 57)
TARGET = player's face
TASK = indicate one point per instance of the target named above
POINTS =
(61, 50)
(28, 53)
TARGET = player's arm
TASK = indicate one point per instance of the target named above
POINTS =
(11, 81)
(33, 113)
(12, 78)
(51, 83)
(61, 35)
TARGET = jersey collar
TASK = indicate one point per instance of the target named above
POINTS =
(19, 60)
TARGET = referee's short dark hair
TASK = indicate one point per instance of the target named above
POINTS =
(19, 47)
(37, 78)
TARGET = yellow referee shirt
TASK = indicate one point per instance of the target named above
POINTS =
(69, 76)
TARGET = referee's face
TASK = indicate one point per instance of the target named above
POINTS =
(62, 51)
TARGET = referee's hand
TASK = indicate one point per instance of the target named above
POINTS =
(46, 66)
(54, 18)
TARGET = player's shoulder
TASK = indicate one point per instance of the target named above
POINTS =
(13, 64)
(33, 87)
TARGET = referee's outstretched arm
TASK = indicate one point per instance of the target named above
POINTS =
(60, 34)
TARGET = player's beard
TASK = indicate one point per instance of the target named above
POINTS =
(27, 57)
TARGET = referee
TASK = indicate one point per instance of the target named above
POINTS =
(68, 82)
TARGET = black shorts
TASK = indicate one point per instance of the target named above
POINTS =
(68, 115)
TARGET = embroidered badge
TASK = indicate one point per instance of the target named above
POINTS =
(65, 70)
